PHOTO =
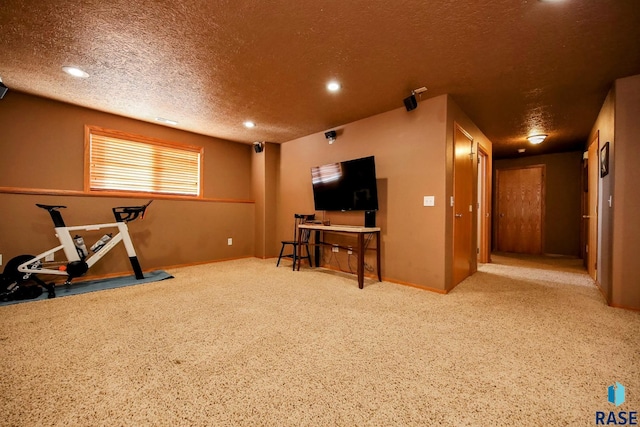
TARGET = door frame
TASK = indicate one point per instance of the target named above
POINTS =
(593, 202)
(484, 206)
(584, 207)
(471, 250)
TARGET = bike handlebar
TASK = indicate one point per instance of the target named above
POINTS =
(130, 213)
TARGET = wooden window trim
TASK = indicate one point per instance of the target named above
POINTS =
(81, 193)
(96, 130)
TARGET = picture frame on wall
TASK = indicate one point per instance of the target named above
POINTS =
(604, 160)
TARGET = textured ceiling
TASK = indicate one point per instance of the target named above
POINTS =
(513, 66)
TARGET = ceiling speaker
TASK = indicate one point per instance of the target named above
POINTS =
(410, 103)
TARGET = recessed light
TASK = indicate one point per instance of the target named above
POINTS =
(521, 150)
(166, 121)
(75, 71)
(536, 139)
(333, 86)
(249, 124)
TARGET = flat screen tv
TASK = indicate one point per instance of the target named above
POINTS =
(345, 186)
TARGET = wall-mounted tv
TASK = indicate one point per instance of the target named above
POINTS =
(345, 186)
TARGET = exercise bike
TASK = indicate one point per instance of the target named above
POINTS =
(78, 259)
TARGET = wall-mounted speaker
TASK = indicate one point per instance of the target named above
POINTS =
(331, 136)
(258, 147)
(410, 103)
(3, 89)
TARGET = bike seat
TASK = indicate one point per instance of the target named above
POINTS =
(49, 207)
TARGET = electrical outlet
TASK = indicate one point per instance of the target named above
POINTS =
(229, 241)
(349, 250)
(335, 249)
(49, 257)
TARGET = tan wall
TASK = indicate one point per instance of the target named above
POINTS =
(41, 147)
(626, 197)
(265, 169)
(562, 199)
(619, 228)
(604, 131)
(272, 179)
(411, 162)
(455, 116)
(258, 194)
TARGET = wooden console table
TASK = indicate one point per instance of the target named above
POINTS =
(353, 229)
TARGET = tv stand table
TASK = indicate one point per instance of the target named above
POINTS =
(360, 248)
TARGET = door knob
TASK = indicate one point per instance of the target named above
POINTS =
(586, 216)
(458, 215)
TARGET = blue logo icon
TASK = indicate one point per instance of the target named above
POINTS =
(616, 394)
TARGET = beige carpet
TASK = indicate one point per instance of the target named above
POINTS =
(243, 343)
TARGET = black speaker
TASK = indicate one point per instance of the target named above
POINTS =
(3, 90)
(258, 147)
(410, 103)
(369, 218)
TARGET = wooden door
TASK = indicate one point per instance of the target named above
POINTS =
(462, 205)
(520, 209)
(592, 215)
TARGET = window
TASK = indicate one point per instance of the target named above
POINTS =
(117, 161)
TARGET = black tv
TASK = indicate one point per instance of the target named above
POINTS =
(345, 186)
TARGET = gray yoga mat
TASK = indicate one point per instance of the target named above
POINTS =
(99, 285)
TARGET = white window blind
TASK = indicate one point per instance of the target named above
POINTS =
(122, 162)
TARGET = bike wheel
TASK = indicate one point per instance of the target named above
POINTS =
(11, 272)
